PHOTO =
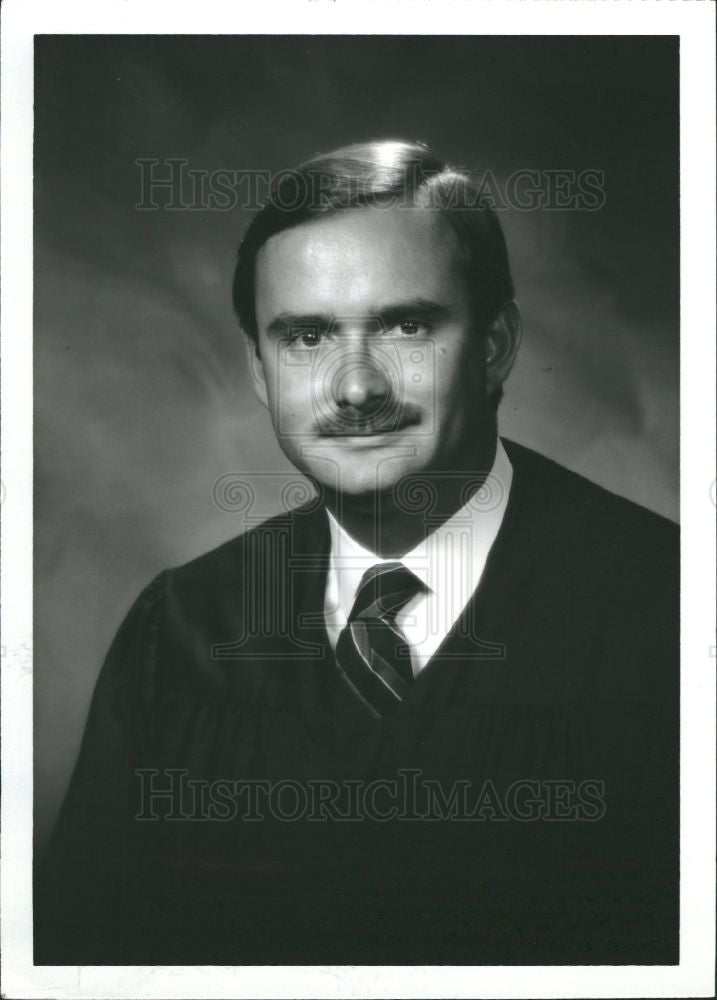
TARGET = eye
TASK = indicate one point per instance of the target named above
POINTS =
(409, 327)
(309, 336)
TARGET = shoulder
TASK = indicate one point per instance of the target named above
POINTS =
(295, 533)
(613, 556)
(585, 514)
(236, 595)
(604, 571)
(247, 571)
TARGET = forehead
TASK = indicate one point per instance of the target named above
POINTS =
(358, 259)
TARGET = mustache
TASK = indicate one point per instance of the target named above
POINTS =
(349, 422)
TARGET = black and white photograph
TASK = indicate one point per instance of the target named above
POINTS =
(360, 429)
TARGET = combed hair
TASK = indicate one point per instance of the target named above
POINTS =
(382, 173)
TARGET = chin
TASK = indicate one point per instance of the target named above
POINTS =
(351, 480)
(355, 472)
(357, 486)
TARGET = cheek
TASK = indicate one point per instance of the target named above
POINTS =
(291, 401)
(280, 382)
(457, 388)
(456, 375)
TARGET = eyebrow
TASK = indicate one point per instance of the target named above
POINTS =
(390, 314)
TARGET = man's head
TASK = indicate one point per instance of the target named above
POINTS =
(375, 292)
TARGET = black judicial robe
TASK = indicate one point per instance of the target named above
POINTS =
(547, 722)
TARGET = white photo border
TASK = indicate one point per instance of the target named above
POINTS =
(694, 22)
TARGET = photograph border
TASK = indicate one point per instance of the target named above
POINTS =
(694, 23)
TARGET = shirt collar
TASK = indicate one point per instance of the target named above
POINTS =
(450, 560)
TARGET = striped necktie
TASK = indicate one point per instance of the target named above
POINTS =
(371, 652)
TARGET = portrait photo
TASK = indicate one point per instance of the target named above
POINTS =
(356, 500)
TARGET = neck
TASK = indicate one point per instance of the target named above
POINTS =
(393, 522)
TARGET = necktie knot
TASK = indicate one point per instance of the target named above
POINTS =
(372, 654)
(384, 589)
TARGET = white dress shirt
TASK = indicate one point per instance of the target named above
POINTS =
(450, 562)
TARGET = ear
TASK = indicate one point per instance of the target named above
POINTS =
(256, 369)
(502, 341)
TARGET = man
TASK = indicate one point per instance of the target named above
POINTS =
(430, 716)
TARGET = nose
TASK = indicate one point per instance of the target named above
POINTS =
(360, 383)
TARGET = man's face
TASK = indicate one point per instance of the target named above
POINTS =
(369, 360)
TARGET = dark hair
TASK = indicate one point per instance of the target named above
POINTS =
(382, 173)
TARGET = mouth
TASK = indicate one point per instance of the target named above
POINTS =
(377, 432)
(366, 430)
(364, 441)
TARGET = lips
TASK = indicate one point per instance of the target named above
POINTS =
(381, 421)
(365, 431)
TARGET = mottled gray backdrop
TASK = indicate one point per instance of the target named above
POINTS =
(141, 394)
